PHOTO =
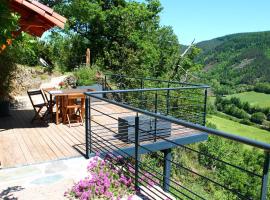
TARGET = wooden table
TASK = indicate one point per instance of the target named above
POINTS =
(58, 94)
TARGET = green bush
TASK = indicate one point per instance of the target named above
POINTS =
(211, 108)
(86, 75)
(7, 68)
(237, 154)
(247, 107)
(236, 101)
(211, 125)
(262, 87)
(268, 117)
(266, 125)
(258, 117)
(235, 111)
(246, 122)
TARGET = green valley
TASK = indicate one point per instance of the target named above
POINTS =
(239, 129)
(237, 67)
(254, 98)
(234, 63)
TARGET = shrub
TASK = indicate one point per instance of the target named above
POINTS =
(7, 68)
(266, 125)
(268, 117)
(247, 107)
(246, 122)
(235, 111)
(258, 117)
(236, 101)
(110, 178)
(211, 108)
(255, 109)
(86, 75)
(211, 125)
(262, 87)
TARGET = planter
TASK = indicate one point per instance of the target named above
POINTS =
(4, 108)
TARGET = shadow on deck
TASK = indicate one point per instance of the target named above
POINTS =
(23, 142)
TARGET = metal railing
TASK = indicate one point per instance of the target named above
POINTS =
(122, 82)
(189, 103)
(154, 141)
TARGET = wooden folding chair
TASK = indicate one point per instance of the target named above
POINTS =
(38, 106)
(73, 108)
(46, 96)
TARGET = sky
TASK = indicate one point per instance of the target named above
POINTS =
(208, 19)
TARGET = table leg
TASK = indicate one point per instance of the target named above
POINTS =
(57, 114)
(51, 109)
(83, 107)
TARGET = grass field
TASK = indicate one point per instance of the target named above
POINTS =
(254, 98)
(240, 129)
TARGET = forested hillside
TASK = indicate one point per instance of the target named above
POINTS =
(236, 62)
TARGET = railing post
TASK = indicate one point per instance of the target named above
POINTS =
(155, 125)
(264, 188)
(105, 82)
(136, 152)
(142, 86)
(167, 100)
(205, 107)
(167, 169)
(105, 85)
(88, 139)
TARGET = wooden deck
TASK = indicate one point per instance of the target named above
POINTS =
(106, 137)
(23, 143)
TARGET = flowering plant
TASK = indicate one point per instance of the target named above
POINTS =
(109, 178)
(62, 85)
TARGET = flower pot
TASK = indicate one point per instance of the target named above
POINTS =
(4, 108)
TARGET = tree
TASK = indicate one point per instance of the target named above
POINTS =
(8, 23)
(246, 106)
(236, 101)
(258, 117)
(185, 65)
(124, 36)
(7, 66)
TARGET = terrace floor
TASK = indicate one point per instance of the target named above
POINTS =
(24, 143)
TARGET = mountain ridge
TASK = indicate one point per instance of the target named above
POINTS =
(236, 59)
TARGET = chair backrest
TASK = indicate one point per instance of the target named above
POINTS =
(45, 93)
(38, 94)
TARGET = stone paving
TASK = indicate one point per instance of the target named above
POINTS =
(50, 180)
(41, 181)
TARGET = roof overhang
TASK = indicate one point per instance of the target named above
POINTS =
(36, 18)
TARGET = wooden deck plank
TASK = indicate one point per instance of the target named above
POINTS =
(25, 148)
(36, 140)
(52, 143)
(22, 126)
(24, 143)
(66, 136)
(3, 145)
(77, 138)
(13, 152)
